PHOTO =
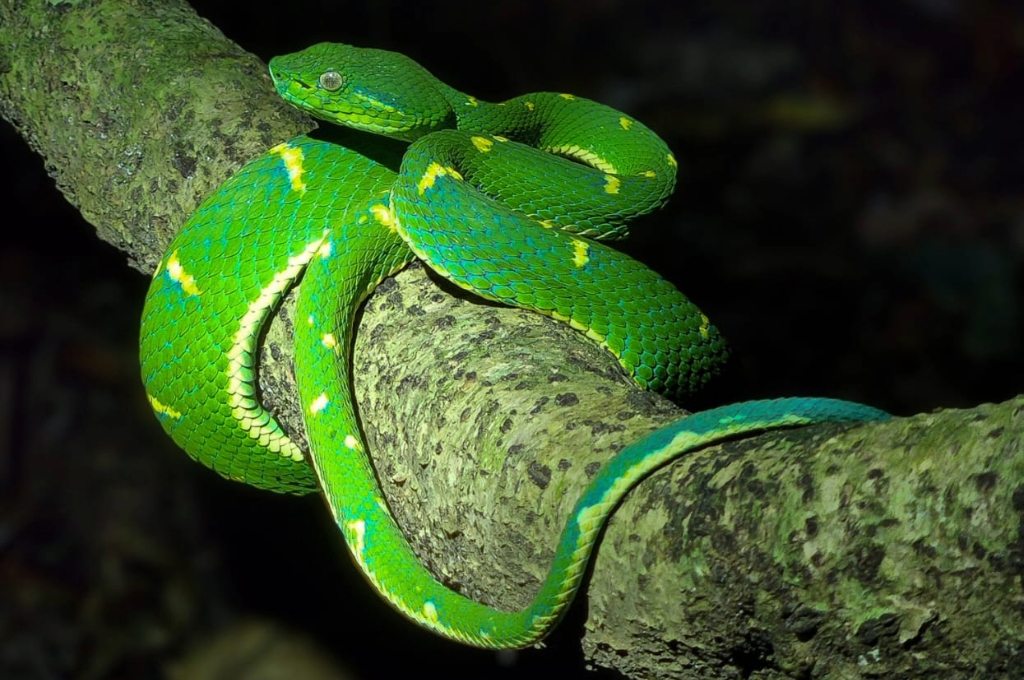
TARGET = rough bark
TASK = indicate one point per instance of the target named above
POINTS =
(892, 549)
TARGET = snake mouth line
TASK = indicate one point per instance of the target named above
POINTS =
(283, 86)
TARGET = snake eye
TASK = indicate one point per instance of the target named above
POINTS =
(331, 81)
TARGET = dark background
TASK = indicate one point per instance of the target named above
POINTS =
(849, 214)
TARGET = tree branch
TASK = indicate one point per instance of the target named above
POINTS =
(885, 549)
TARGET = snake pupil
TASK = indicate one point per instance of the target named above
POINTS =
(331, 81)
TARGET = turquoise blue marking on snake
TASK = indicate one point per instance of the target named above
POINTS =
(506, 200)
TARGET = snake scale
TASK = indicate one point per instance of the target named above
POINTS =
(506, 200)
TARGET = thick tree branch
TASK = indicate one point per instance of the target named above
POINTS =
(889, 549)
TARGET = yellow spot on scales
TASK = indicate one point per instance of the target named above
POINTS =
(649, 173)
(430, 611)
(319, 404)
(705, 324)
(162, 408)
(471, 101)
(325, 249)
(384, 216)
(292, 158)
(435, 170)
(499, 138)
(529, 105)
(357, 535)
(672, 161)
(178, 273)
(482, 144)
(329, 341)
(626, 123)
(580, 252)
(352, 443)
(611, 184)
(569, 97)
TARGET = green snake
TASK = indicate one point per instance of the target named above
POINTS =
(505, 200)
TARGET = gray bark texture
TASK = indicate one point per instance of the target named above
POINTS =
(892, 549)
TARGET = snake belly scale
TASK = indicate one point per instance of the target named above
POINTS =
(506, 200)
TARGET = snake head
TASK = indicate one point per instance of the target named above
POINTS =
(365, 89)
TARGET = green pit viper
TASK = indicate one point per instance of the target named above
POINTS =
(505, 200)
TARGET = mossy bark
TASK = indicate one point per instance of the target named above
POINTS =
(891, 549)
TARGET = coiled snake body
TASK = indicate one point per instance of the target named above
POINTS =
(505, 200)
